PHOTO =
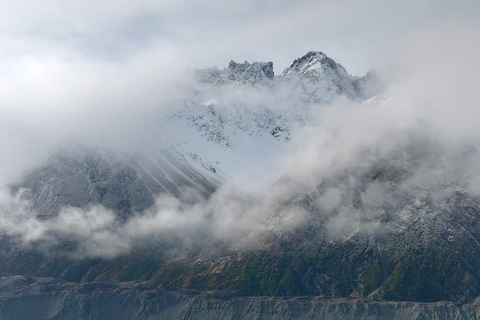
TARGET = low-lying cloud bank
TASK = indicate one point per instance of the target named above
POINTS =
(231, 214)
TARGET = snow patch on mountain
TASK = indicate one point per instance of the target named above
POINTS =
(238, 121)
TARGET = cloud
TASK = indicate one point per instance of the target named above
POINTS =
(87, 75)
(438, 76)
(422, 133)
(48, 102)
(357, 34)
(230, 215)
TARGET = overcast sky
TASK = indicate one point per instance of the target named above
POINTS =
(357, 34)
(71, 68)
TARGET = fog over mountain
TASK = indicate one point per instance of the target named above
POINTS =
(153, 161)
(247, 146)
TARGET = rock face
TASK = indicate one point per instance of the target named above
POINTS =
(50, 301)
(81, 177)
(239, 73)
(316, 67)
(247, 72)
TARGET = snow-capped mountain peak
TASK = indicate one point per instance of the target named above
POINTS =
(321, 78)
(241, 117)
(252, 73)
(313, 64)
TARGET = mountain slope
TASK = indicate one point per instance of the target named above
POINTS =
(232, 124)
(390, 216)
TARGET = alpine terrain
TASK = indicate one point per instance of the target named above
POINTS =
(252, 195)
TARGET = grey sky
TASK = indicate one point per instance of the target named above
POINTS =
(357, 34)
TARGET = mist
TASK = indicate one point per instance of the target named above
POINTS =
(428, 112)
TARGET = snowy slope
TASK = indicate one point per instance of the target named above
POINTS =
(230, 125)
(238, 121)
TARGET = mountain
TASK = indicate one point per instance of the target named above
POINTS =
(240, 73)
(232, 124)
(384, 215)
(323, 77)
